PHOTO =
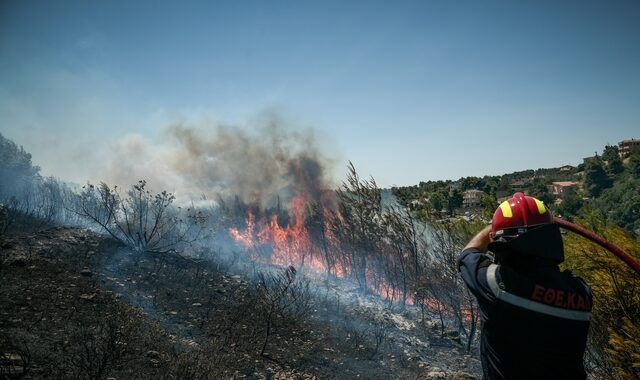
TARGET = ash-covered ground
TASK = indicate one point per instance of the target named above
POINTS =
(75, 304)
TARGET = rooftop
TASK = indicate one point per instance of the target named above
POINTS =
(565, 183)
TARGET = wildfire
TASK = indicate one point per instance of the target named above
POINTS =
(287, 245)
(392, 294)
(244, 237)
(271, 243)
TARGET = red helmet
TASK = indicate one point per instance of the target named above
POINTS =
(517, 215)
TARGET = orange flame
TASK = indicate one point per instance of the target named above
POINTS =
(292, 245)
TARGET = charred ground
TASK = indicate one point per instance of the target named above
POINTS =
(78, 305)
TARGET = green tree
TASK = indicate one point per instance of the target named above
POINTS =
(621, 204)
(16, 169)
(615, 167)
(570, 206)
(614, 336)
(468, 183)
(610, 152)
(595, 178)
(539, 189)
(455, 200)
(438, 201)
(633, 166)
(491, 184)
(489, 205)
(611, 156)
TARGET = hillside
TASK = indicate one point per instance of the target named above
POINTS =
(604, 183)
(79, 305)
(355, 282)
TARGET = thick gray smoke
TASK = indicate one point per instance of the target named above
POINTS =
(211, 161)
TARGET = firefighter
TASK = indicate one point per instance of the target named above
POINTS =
(535, 318)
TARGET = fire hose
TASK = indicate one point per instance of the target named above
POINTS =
(622, 255)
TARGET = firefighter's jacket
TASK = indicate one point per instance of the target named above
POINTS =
(534, 322)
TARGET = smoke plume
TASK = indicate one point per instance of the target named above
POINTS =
(215, 160)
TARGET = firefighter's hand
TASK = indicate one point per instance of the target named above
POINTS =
(481, 240)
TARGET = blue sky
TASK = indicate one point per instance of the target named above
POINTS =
(406, 90)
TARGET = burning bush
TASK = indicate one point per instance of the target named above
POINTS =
(377, 243)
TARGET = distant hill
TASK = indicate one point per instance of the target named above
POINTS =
(606, 183)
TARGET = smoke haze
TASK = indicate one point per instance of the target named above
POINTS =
(215, 160)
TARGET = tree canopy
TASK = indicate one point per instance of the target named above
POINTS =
(16, 169)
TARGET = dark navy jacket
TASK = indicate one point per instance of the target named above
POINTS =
(534, 322)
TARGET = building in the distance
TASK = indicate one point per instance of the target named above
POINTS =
(562, 189)
(472, 198)
(625, 147)
(520, 185)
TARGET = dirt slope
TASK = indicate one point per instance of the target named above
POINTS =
(74, 304)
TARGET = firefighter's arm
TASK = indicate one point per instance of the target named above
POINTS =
(473, 264)
(480, 241)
